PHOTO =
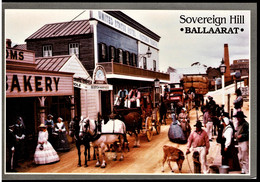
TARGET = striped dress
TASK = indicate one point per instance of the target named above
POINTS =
(47, 154)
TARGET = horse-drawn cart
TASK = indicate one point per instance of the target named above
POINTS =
(145, 118)
(174, 100)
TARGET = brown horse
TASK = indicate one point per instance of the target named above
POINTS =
(133, 122)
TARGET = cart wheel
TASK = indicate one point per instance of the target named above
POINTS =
(149, 128)
(157, 122)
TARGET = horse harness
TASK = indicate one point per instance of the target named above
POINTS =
(98, 132)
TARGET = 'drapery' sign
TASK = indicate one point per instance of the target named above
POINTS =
(37, 84)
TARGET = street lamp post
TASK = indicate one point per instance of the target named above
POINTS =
(223, 70)
(148, 54)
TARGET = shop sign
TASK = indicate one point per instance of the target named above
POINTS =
(99, 75)
(30, 85)
(101, 87)
(119, 25)
(19, 55)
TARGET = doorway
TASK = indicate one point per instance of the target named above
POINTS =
(105, 103)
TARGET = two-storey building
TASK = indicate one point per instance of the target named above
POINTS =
(127, 50)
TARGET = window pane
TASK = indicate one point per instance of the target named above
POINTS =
(74, 49)
(154, 65)
(144, 62)
(47, 50)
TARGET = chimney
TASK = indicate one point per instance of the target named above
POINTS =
(8, 43)
(226, 60)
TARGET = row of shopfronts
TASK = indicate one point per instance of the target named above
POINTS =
(68, 82)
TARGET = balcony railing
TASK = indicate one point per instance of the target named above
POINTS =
(121, 69)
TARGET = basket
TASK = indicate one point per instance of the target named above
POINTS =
(223, 169)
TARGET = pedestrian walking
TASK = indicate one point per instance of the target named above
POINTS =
(208, 122)
(50, 128)
(238, 104)
(199, 142)
(62, 143)
(242, 137)
(44, 152)
(184, 121)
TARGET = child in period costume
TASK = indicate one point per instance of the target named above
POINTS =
(44, 153)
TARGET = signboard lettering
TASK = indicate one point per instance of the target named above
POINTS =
(14, 54)
(19, 55)
(121, 26)
(40, 83)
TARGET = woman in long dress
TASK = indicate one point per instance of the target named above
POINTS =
(175, 132)
(63, 143)
(44, 153)
(184, 120)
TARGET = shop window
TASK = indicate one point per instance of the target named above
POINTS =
(120, 55)
(154, 65)
(144, 63)
(112, 54)
(102, 52)
(74, 49)
(47, 50)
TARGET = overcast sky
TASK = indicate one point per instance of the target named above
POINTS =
(177, 49)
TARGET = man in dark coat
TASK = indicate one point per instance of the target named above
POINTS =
(242, 137)
(19, 132)
(11, 162)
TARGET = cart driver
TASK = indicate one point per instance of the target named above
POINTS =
(134, 98)
(121, 99)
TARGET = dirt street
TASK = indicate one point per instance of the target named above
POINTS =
(146, 159)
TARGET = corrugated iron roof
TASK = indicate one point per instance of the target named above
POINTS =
(62, 29)
(53, 63)
(20, 46)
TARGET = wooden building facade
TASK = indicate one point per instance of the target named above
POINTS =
(110, 39)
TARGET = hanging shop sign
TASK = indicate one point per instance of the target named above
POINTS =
(104, 87)
(17, 55)
(99, 75)
(24, 84)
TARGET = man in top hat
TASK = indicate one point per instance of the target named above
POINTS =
(242, 136)
(199, 141)
(211, 104)
(19, 132)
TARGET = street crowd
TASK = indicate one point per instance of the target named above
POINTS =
(231, 132)
(52, 137)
